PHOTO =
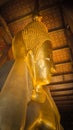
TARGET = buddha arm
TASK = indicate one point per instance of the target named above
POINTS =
(13, 98)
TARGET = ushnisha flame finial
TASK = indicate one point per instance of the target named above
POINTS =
(37, 18)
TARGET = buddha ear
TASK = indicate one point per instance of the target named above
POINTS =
(30, 61)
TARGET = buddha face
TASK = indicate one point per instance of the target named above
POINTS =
(41, 65)
(44, 64)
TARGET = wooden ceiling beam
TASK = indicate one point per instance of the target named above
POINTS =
(68, 20)
(62, 62)
(61, 86)
(68, 102)
(56, 28)
(5, 31)
(62, 93)
(59, 48)
(65, 78)
(31, 12)
(58, 74)
(63, 51)
(69, 105)
(61, 98)
(69, 34)
(65, 106)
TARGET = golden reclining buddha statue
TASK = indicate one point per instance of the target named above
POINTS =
(25, 104)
